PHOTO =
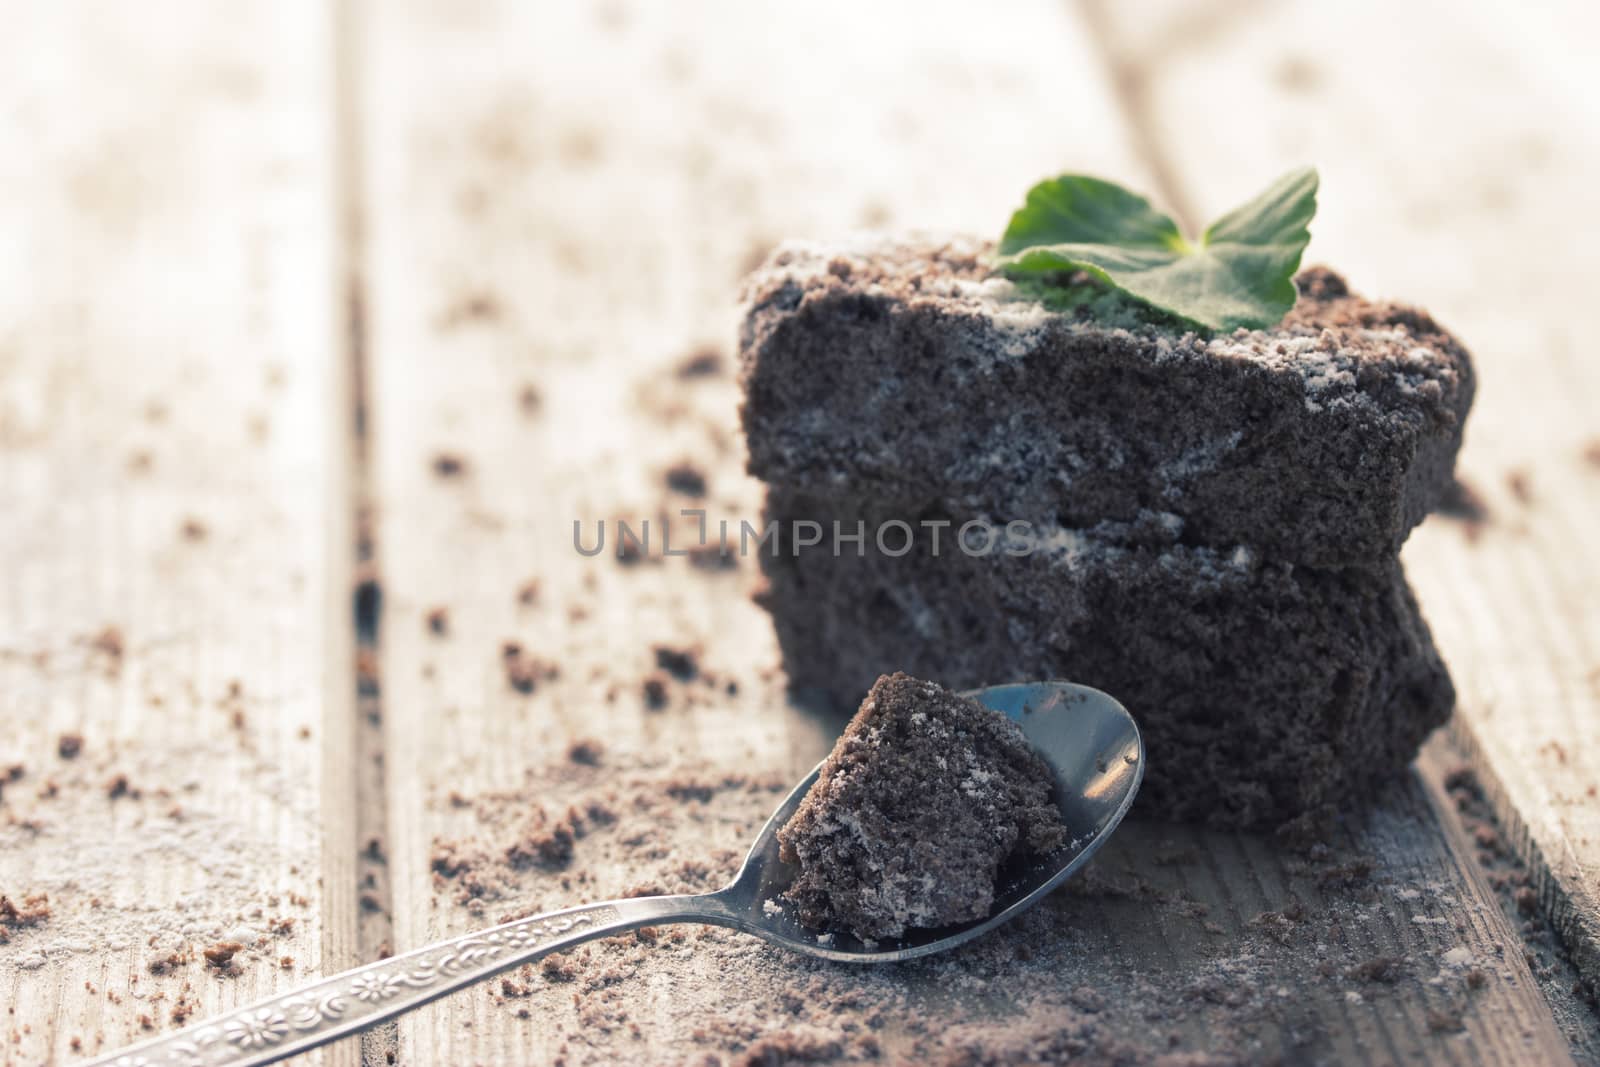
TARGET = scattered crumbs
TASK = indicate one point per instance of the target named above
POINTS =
(118, 787)
(286, 963)
(193, 530)
(31, 909)
(1520, 482)
(438, 621)
(549, 845)
(184, 1008)
(109, 643)
(586, 751)
(558, 967)
(528, 593)
(168, 963)
(793, 1044)
(449, 465)
(529, 399)
(68, 746)
(220, 955)
(655, 691)
(687, 479)
(524, 671)
(682, 663)
(707, 363)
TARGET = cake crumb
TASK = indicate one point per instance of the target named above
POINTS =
(586, 751)
(687, 479)
(707, 363)
(655, 691)
(220, 955)
(32, 909)
(110, 642)
(525, 671)
(931, 792)
(1520, 482)
(682, 663)
(438, 621)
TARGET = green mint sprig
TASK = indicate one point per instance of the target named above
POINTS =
(1239, 273)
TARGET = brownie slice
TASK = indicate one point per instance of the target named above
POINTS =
(913, 815)
(1265, 690)
(900, 367)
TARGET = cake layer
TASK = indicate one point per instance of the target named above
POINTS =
(1265, 690)
(900, 367)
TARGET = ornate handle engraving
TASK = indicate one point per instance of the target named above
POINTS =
(281, 1026)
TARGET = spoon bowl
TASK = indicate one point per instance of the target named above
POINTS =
(1096, 755)
(1089, 741)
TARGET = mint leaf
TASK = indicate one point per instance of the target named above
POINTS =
(1239, 273)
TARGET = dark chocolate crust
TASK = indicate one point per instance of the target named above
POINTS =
(1265, 690)
(901, 368)
(912, 816)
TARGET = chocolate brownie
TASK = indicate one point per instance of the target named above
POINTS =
(902, 367)
(914, 814)
(1265, 689)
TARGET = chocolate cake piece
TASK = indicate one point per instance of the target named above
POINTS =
(901, 367)
(1265, 690)
(914, 814)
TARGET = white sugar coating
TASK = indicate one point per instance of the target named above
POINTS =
(1078, 548)
(948, 270)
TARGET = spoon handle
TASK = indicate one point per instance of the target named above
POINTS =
(300, 1019)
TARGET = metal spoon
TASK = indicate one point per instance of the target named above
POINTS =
(1089, 740)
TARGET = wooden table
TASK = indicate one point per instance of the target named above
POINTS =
(319, 325)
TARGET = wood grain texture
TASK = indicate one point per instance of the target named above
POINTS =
(559, 205)
(1454, 153)
(171, 448)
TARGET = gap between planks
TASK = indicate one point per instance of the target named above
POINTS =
(368, 776)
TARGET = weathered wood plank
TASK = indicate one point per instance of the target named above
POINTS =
(1453, 152)
(559, 205)
(172, 445)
